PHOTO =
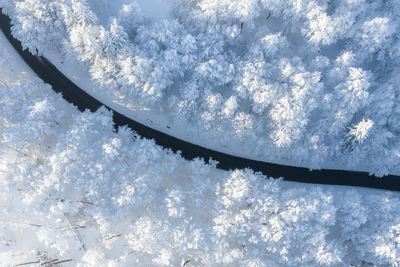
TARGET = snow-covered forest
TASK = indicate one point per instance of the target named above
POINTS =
(74, 192)
(307, 82)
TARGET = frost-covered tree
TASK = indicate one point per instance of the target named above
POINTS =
(37, 24)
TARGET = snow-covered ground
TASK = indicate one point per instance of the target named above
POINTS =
(307, 83)
(73, 192)
(155, 9)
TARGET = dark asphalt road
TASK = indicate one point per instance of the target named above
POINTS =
(73, 94)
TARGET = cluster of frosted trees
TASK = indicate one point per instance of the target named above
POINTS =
(304, 81)
(74, 190)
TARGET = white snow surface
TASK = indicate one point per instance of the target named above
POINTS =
(73, 192)
(155, 9)
(158, 9)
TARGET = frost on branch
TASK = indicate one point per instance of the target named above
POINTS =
(359, 132)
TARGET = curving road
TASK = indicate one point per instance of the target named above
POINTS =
(73, 94)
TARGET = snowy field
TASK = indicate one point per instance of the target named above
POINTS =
(307, 83)
(73, 192)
